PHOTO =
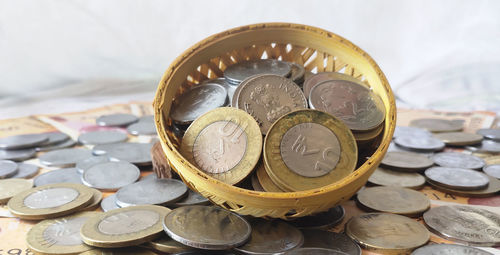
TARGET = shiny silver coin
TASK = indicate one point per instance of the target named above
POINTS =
(323, 220)
(465, 224)
(91, 161)
(110, 176)
(488, 146)
(406, 161)
(457, 178)
(17, 155)
(55, 137)
(271, 237)
(207, 227)
(314, 238)
(64, 175)
(147, 118)
(411, 131)
(230, 88)
(116, 120)
(109, 203)
(102, 137)
(457, 159)
(64, 157)
(197, 101)
(492, 170)
(192, 198)
(449, 249)
(419, 143)
(315, 251)
(236, 73)
(142, 128)
(17, 142)
(490, 133)
(66, 144)
(8, 168)
(438, 125)
(26, 171)
(394, 147)
(135, 153)
(151, 192)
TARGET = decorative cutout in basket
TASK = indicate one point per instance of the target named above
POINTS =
(317, 50)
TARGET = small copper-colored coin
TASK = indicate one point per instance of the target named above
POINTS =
(314, 79)
(406, 161)
(396, 200)
(438, 125)
(459, 138)
(387, 177)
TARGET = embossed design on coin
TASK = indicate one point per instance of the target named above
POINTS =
(457, 159)
(49, 198)
(65, 232)
(457, 178)
(128, 222)
(318, 78)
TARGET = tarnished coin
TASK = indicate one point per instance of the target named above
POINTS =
(198, 101)
(50, 201)
(64, 175)
(142, 128)
(12, 187)
(267, 97)
(17, 142)
(64, 157)
(167, 245)
(459, 138)
(420, 143)
(386, 233)
(17, 155)
(448, 249)
(356, 105)
(315, 251)
(387, 177)
(322, 220)
(256, 183)
(314, 238)
(102, 137)
(458, 159)
(488, 146)
(297, 74)
(109, 203)
(438, 125)
(396, 200)
(135, 153)
(59, 236)
(95, 201)
(66, 144)
(207, 227)
(25, 171)
(491, 190)
(230, 88)
(115, 120)
(237, 73)
(271, 237)
(411, 131)
(224, 143)
(492, 170)
(122, 251)
(465, 224)
(265, 181)
(111, 175)
(315, 79)
(457, 178)
(151, 192)
(406, 161)
(490, 133)
(8, 168)
(308, 149)
(91, 161)
(192, 198)
(124, 226)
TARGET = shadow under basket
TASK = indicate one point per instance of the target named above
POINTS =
(318, 51)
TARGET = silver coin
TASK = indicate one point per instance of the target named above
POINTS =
(26, 171)
(465, 224)
(387, 177)
(419, 143)
(238, 72)
(110, 175)
(488, 146)
(66, 144)
(490, 133)
(271, 237)
(109, 203)
(142, 128)
(298, 72)
(449, 249)
(64, 157)
(102, 137)
(55, 137)
(314, 238)
(206, 227)
(151, 176)
(135, 153)
(17, 155)
(394, 147)
(197, 101)
(151, 192)
(8, 168)
(147, 118)
(230, 88)
(64, 175)
(457, 159)
(315, 251)
(411, 131)
(116, 120)
(406, 161)
(91, 161)
(322, 220)
(17, 142)
(438, 125)
(492, 170)
(192, 198)
(457, 178)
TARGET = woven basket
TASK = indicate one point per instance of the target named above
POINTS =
(317, 50)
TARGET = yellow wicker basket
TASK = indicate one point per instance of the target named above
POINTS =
(318, 50)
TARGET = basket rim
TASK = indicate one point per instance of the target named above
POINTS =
(164, 84)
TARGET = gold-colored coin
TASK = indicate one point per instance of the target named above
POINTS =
(225, 143)
(459, 138)
(365, 137)
(308, 149)
(387, 177)
(492, 189)
(96, 200)
(256, 183)
(50, 201)
(59, 236)
(11, 187)
(167, 245)
(267, 184)
(396, 200)
(124, 226)
(122, 251)
(387, 233)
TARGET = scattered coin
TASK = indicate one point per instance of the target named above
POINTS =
(492, 170)
(315, 79)
(237, 73)
(11, 187)
(465, 224)
(95, 201)
(394, 147)
(437, 125)
(64, 157)
(124, 226)
(142, 128)
(387, 177)
(55, 138)
(396, 200)
(136, 153)
(115, 120)
(122, 251)
(25, 170)
(322, 220)
(457, 159)
(411, 131)
(17, 155)
(207, 227)
(406, 161)
(147, 118)
(192, 198)
(91, 161)
(490, 133)
(488, 146)
(491, 190)
(66, 144)
(449, 249)
(109, 203)
(457, 178)
(420, 143)
(8, 168)
(102, 137)
(315, 251)
(151, 192)
(459, 138)
(64, 175)
(110, 176)
(59, 236)
(386, 233)
(167, 245)
(314, 238)
(17, 142)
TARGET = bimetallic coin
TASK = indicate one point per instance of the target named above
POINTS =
(449, 249)
(314, 79)
(110, 175)
(102, 137)
(322, 220)
(396, 200)
(457, 159)
(8, 168)
(136, 153)
(26, 171)
(114, 120)
(59, 236)
(420, 143)
(387, 233)
(207, 227)
(387, 177)
(492, 170)
(490, 133)
(91, 161)
(124, 227)
(17, 155)
(491, 190)
(457, 178)
(64, 175)
(198, 101)
(406, 161)
(64, 157)
(237, 73)
(315, 251)
(267, 97)
(66, 144)
(192, 198)
(109, 203)
(142, 128)
(167, 245)
(95, 201)
(465, 224)
(122, 251)
(459, 138)
(411, 131)
(271, 237)
(17, 142)
(12, 187)
(488, 146)
(438, 125)
(151, 192)
(314, 238)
